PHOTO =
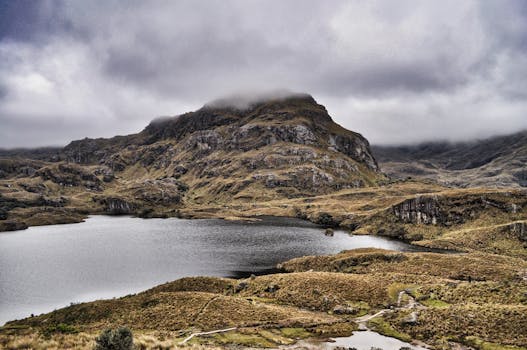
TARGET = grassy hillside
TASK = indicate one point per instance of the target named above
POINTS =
(327, 296)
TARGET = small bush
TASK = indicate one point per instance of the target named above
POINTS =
(117, 339)
(326, 220)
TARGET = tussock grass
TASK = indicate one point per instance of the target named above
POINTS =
(499, 324)
(477, 266)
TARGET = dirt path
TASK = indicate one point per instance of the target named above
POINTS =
(202, 309)
(205, 333)
(412, 304)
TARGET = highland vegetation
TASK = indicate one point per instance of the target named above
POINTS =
(285, 156)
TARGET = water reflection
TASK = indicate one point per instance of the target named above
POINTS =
(47, 267)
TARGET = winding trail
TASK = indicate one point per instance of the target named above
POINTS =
(361, 321)
(412, 304)
(205, 333)
(366, 318)
(202, 309)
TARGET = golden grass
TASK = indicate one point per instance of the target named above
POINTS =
(499, 324)
(476, 266)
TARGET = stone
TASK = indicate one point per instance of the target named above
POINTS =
(240, 287)
(411, 320)
(345, 310)
(116, 206)
(272, 288)
(519, 229)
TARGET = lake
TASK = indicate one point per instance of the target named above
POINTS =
(48, 267)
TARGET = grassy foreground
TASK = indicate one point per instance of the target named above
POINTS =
(317, 297)
(477, 297)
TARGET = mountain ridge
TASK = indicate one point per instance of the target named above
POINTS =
(498, 161)
(299, 108)
(286, 147)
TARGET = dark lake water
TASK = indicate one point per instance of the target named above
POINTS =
(48, 267)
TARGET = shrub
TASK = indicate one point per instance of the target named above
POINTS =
(326, 220)
(115, 339)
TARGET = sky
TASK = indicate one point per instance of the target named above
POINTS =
(398, 72)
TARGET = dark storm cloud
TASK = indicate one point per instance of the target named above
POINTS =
(401, 71)
(18, 19)
(29, 20)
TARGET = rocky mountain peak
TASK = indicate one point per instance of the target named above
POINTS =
(286, 144)
(238, 110)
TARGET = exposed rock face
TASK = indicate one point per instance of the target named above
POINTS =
(346, 310)
(12, 225)
(7, 204)
(447, 211)
(326, 220)
(519, 229)
(18, 167)
(165, 191)
(420, 210)
(116, 206)
(356, 148)
(70, 175)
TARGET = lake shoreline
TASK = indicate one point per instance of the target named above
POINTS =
(269, 241)
(301, 292)
(322, 292)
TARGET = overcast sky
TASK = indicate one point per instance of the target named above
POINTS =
(395, 71)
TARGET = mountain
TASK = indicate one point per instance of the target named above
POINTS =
(276, 148)
(494, 162)
(287, 146)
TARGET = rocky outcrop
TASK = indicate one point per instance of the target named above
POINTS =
(420, 210)
(106, 173)
(70, 175)
(326, 220)
(166, 191)
(7, 204)
(447, 211)
(356, 148)
(250, 136)
(86, 151)
(179, 170)
(116, 206)
(411, 319)
(519, 229)
(18, 167)
(12, 225)
(177, 127)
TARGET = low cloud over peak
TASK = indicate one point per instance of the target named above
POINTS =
(396, 72)
(245, 100)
